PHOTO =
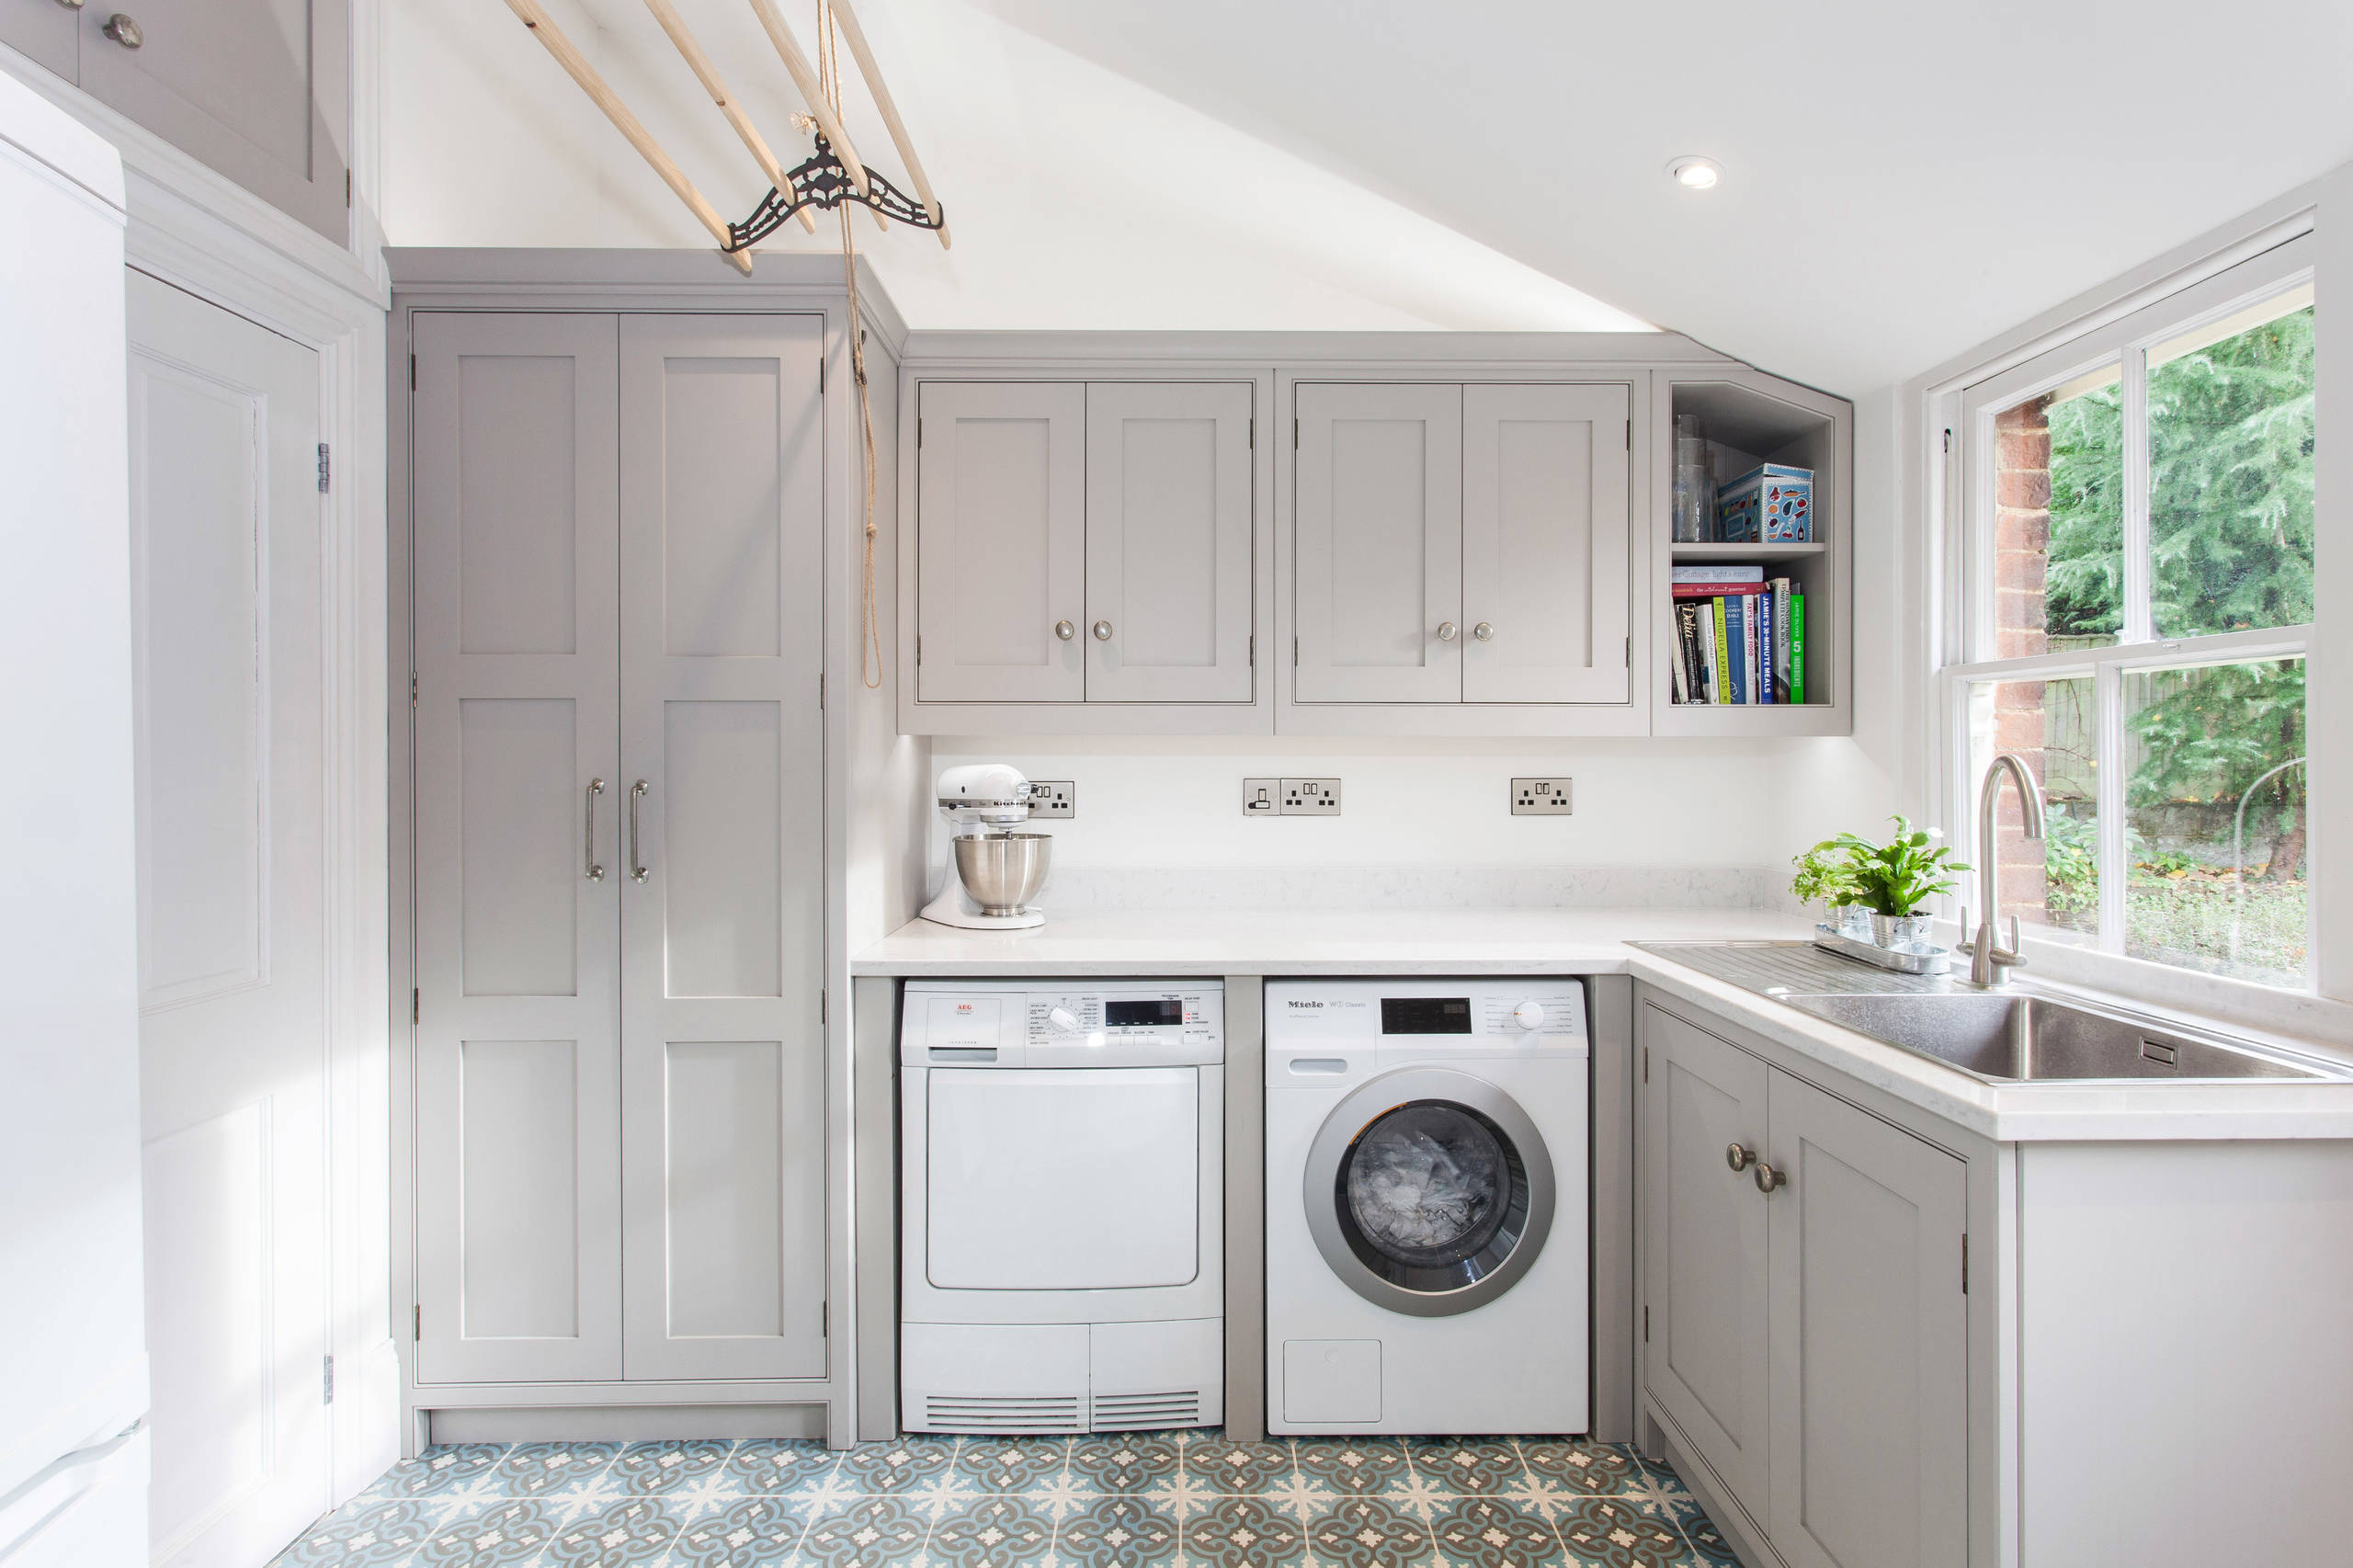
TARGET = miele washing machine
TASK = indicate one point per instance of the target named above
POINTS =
(1063, 1201)
(1427, 1206)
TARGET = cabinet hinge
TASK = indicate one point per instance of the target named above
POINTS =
(1627, 660)
(918, 649)
(347, 207)
(415, 1006)
(821, 1006)
(1965, 1263)
(1254, 653)
(1294, 653)
(821, 375)
(412, 372)
(412, 691)
(325, 467)
(1294, 435)
(824, 1320)
(1948, 441)
(326, 1380)
(918, 431)
(417, 1323)
(821, 694)
(1253, 434)
(1647, 1064)
(1646, 1323)
(1629, 435)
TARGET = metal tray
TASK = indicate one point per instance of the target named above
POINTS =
(1832, 940)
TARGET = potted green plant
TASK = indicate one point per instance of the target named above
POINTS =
(1825, 875)
(1896, 880)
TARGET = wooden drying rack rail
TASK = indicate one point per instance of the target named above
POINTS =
(804, 78)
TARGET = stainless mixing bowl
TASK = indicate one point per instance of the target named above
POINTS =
(1004, 871)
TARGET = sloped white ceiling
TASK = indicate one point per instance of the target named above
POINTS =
(1076, 197)
(1901, 180)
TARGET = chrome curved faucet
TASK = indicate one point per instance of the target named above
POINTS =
(1989, 961)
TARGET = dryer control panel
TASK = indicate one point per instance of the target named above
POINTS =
(1043, 1023)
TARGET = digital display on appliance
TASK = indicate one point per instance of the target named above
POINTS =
(1425, 1014)
(1141, 1015)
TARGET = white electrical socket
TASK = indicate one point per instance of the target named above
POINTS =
(1540, 798)
(1311, 797)
(1261, 797)
(1054, 798)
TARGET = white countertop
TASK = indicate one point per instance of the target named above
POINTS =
(1593, 942)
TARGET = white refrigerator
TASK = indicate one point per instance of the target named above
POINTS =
(72, 1357)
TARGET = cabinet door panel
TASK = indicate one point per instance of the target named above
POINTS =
(1001, 549)
(1168, 535)
(1544, 540)
(517, 1132)
(1379, 551)
(258, 89)
(1704, 1275)
(722, 940)
(1870, 1354)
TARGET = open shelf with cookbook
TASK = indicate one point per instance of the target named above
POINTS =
(1752, 634)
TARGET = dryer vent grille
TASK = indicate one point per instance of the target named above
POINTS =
(1142, 1412)
(1003, 1413)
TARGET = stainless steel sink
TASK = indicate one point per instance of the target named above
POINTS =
(2006, 1036)
(2019, 1036)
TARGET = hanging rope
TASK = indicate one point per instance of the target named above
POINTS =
(829, 82)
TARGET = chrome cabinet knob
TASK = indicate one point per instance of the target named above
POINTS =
(1484, 631)
(1102, 632)
(1768, 1178)
(123, 30)
(1445, 632)
(71, 4)
(1739, 1159)
(1065, 631)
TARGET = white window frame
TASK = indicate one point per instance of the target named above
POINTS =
(1966, 445)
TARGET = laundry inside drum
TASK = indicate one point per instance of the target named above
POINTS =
(1429, 1184)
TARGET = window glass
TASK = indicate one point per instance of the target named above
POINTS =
(2230, 472)
(2059, 518)
(2052, 726)
(2215, 803)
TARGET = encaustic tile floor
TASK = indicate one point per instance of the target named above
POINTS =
(1156, 1500)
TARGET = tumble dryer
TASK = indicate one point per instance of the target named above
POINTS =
(1427, 1206)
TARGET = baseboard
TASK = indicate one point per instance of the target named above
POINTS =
(623, 1423)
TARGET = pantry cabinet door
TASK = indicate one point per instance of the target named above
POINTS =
(721, 862)
(1168, 537)
(1544, 542)
(518, 890)
(257, 89)
(1378, 553)
(1001, 548)
(1869, 1349)
(1703, 1241)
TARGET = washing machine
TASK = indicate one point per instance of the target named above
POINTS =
(1427, 1210)
(1061, 1205)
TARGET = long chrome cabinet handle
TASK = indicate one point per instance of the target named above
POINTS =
(596, 873)
(636, 793)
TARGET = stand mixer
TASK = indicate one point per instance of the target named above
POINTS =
(998, 871)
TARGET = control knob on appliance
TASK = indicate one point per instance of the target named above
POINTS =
(1529, 1015)
(1064, 1020)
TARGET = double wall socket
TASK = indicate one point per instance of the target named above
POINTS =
(1290, 797)
(1540, 798)
(1054, 798)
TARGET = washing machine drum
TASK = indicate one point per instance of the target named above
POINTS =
(1429, 1192)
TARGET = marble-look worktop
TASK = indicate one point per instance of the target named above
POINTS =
(1594, 941)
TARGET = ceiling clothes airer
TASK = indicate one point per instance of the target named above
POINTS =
(835, 178)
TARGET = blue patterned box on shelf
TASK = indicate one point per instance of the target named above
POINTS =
(1771, 504)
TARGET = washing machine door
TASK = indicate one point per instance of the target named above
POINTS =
(1429, 1192)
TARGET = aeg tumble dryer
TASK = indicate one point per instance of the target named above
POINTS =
(1061, 1250)
(1426, 1209)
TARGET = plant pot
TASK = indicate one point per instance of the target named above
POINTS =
(1902, 933)
(1850, 921)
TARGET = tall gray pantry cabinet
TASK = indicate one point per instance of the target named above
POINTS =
(618, 1132)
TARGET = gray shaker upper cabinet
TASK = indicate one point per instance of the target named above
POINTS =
(43, 31)
(1458, 546)
(1001, 551)
(1084, 556)
(258, 89)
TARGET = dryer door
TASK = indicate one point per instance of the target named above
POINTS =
(1429, 1192)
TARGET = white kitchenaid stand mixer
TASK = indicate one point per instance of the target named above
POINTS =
(995, 871)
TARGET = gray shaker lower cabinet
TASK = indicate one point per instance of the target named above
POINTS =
(1806, 1343)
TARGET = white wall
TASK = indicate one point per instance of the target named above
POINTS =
(1179, 804)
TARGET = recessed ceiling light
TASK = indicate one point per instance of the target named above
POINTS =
(1695, 173)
